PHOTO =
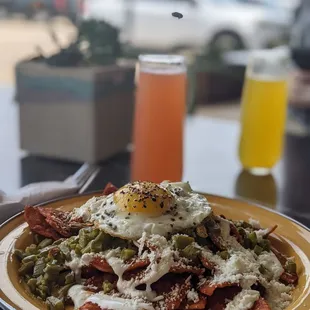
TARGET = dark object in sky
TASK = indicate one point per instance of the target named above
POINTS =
(177, 15)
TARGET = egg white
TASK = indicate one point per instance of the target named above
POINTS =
(190, 210)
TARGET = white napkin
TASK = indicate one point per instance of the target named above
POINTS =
(33, 194)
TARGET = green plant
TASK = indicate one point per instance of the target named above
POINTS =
(97, 43)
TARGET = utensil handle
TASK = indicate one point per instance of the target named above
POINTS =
(5, 306)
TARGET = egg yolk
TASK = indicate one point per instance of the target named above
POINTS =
(144, 197)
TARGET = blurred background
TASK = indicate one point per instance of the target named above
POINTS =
(209, 27)
(68, 82)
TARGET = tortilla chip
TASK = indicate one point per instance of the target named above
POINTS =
(261, 304)
(38, 224)
(208, 288)
(109, 189)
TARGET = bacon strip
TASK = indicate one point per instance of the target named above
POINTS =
(207, 264)
(208, 289)
(91, 306)
(222, 297)
(234, 232)
(109, 189)
(200, 304)
(174, 298)
(289, 278)
(137, 263)
(38, 224)
(261, 304)
(94, 283)
(101, 264)
(52, 223)
(58, 219)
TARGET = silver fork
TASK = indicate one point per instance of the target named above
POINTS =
(84, 176)
(5, 306)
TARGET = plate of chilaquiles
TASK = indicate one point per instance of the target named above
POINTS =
(150, 246)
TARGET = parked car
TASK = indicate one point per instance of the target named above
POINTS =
(228, 24)
(43, 8)
(4, 7)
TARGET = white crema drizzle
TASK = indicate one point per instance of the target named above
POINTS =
(160, 264)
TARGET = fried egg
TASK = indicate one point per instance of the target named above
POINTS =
(145, 207)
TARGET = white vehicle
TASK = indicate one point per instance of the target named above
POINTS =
(229, 24)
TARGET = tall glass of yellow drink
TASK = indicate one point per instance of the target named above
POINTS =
(263, 111)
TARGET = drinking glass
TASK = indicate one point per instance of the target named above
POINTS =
(263, 111)
(159, 118)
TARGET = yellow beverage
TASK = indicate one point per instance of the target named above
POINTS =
(262, 122)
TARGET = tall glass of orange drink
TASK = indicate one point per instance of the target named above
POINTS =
(263, 111)
(159, 117)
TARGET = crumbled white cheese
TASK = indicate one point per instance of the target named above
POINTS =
(247, 281)
(241, 268)
(239, 263)
(157, 241)
(243, 301)
(278, 295)
(254, 223)
(243, 265)
(271, 263)
(212, 258)
(192, 296)
(261, 233)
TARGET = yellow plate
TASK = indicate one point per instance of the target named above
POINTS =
(291, 238)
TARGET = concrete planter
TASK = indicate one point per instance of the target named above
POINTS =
(79, 114)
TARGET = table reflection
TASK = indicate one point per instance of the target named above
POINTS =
(39, 169)
(296, 175)
(262, 189)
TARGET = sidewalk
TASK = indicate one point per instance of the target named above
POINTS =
(222, 110)
(20, 38)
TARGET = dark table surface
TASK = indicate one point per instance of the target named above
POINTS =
(211, 164)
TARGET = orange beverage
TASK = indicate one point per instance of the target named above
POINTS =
(159, 118)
